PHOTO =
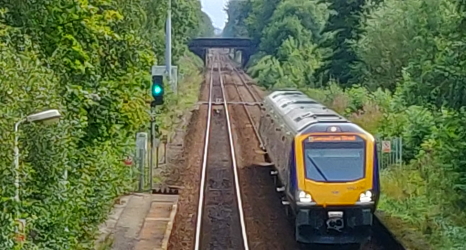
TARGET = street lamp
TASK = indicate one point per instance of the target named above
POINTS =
(48, 116)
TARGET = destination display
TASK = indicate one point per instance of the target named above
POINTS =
(320, 138)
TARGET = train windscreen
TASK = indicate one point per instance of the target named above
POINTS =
(335, 160)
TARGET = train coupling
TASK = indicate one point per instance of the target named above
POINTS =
(335, 221)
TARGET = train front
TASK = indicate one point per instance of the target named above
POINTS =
(337, 184)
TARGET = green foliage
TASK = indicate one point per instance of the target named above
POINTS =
(344, 22)
(258, 17)
(289, 36)
(427, 193)
(168, 117)
(237, 12)
(383, 53)
(89, 59)
(394, 67)
(206, 29)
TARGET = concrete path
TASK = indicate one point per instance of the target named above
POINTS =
(141, 222)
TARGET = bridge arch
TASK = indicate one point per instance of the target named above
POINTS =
(199, 46)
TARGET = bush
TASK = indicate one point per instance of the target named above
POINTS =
(90, 60)
(427, 191)
(410, 55)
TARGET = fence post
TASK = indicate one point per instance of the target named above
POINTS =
(401, 150)
(141, 169)
(141, 149)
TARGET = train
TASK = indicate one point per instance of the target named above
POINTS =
(326, 168)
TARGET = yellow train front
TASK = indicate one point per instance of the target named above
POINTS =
(326, 167)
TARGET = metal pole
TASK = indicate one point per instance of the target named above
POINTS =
(157, 157)
(152, 138)
(141, 169)
(401, 150)
(168, 45)
(16, 149)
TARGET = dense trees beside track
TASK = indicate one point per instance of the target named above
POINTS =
(90, 59)
(205, 26)
(397, 68)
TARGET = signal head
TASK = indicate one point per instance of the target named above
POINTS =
(157, 90)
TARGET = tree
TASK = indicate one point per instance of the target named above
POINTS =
(206, 29)
(90, 59)
(237, 12)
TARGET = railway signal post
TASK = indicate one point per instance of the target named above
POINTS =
(157, 92)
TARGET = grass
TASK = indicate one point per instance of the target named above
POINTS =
(106, 244)
(171, 117)
(423, 206)
(189, 83)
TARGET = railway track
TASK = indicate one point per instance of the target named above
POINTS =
(252, 91)
(230, 214)
(220, 221)
(242, 98)
(381, 239)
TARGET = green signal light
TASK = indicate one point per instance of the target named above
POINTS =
(157, 90)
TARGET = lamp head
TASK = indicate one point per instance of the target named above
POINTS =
(49, 116)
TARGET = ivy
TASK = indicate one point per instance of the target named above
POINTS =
(90, 59)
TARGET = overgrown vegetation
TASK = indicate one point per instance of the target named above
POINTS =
(394, 67)
(90, 60)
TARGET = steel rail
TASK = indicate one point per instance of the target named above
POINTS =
(235, 167)
(242, 99)
(240, 74)
(202, 190)
(204, 165)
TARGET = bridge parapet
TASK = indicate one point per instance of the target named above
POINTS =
(199, 46)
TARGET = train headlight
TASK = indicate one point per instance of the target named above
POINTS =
(365, 197)
(304, 197)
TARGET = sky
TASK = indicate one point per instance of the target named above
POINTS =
(214, 8)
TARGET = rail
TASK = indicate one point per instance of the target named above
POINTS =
(242, 99)
(246, 85)
(205, 162)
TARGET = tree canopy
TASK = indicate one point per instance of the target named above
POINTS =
(394, 66)
(206, 29)
(91, 60)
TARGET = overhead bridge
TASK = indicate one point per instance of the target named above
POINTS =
(200, 46)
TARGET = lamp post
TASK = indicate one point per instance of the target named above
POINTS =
(168, 45)
(51, 115)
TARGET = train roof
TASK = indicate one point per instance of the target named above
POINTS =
(285, 93)
(297, 111)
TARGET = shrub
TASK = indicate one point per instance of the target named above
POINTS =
(90, 60)
(427, 191)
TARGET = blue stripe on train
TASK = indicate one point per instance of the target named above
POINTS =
(292, 166)
(375, 179)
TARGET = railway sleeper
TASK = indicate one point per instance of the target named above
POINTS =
(220, 189)
(217, 102)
